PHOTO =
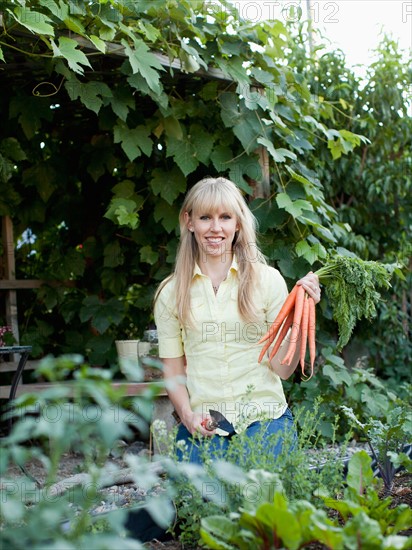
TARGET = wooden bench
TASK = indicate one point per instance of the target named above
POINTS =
(163, 408)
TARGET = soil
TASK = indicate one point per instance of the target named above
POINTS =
(71, 464)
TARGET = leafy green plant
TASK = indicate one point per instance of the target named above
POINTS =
(387, 439)
(358, 387)
(87, 415)
(305, 467)
(275, 522)
(361, 497)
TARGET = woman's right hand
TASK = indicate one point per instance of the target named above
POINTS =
(196, 425)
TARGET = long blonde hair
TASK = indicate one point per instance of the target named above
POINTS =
(208, 195)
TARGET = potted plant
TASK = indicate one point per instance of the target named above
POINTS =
(144, 351)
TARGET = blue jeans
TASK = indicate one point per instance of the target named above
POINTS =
(269, 435)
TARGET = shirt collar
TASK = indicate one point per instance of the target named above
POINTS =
(234, 267)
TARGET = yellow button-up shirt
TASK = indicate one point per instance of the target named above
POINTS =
(221, 350)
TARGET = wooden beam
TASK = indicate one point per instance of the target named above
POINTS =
(18, 284)
(11, 366)
(117, 50)
(130, 388)
(10, 274)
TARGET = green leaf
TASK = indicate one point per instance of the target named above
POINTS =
(148, 255)
(167, 214)
(74, 24)
(338, 376)
(172, 127)
(294, 208)
(150, 32)
(124, 212)
(133, 141)
(102, 314)
(100, 44)
(1, 55)
(11, 148)
(308, 252)
(89, 93)
(217, 532)
(168, 184)
(113, 255)
(68, 49)
(279, 155)
(183, 154)
(360, 473)
(144, 62)
(36, 22)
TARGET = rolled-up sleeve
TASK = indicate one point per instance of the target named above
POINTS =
(167, 324)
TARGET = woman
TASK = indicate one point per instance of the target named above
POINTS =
(210, 314)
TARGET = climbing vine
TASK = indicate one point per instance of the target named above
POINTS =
(113, 109)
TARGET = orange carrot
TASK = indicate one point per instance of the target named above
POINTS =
(281, 316)
(297, 318)
(265, 348)
(286, 326)
(312, 334)
(304, 332)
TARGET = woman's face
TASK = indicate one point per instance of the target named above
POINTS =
(214, 231)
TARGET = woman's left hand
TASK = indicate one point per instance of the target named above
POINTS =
(310, 283)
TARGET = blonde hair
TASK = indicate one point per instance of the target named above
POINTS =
(208, 195)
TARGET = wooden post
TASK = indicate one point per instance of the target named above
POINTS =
(10, 274)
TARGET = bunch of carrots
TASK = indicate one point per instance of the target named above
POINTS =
(298, 314)
(351, 287)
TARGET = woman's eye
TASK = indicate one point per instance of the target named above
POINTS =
(227, 217)
(204, 217)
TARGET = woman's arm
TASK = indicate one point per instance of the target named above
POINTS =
(311, 285)
(174, 374)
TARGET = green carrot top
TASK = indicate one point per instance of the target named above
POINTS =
(351, 285)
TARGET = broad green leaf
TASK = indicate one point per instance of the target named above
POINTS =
(308, 252)
(58, 9)
(150, 32)
(68, 49)
(143, 61)
(113, 255)
(167, 214)
(360, 474)
(11, 148)
(233, 68)
(279, 155)
(125, 189)
(74, 24)
(267, 214)
(168, 184)
(90, 93)
(338, 376)
(133, 141)
(294, 208)
(183, 153)
(148, 255)
(172, 127)
(361, 531)
(221, 156)
(30, 111)
(300, 178)
(121, 102)
(123, 212)
(35, 21)
(102, 314)
(189, 63)
(98, 42)
(1, 55)
(217, 532)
